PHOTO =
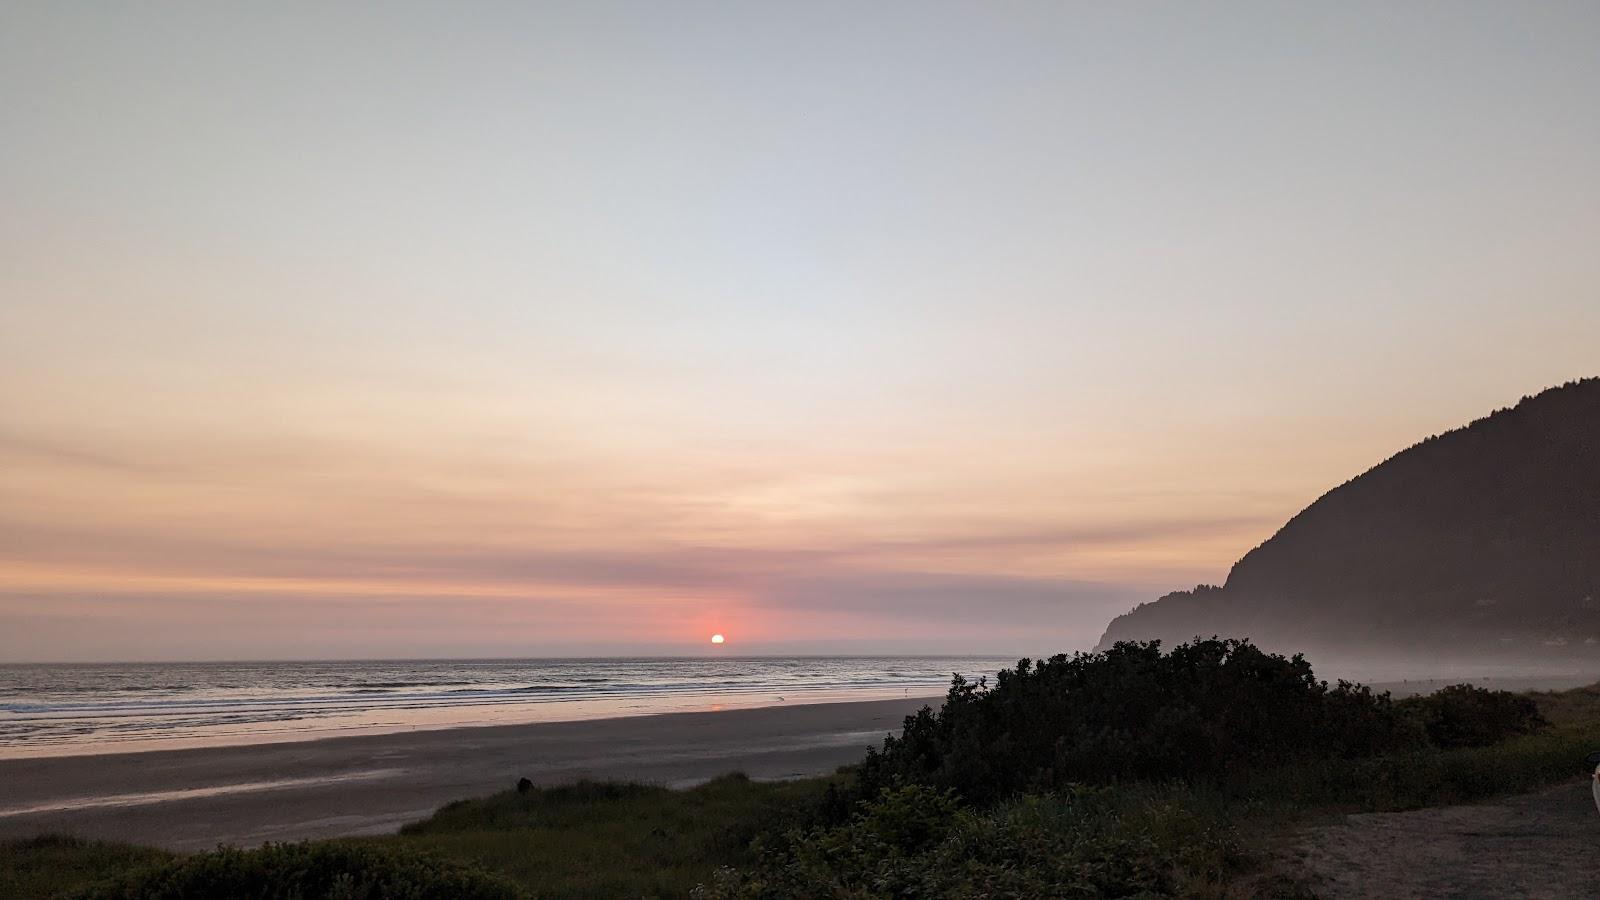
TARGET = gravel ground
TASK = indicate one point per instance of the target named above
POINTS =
(1544, 845)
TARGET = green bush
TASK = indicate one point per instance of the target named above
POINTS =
(1465, 716)
(1329, 748)
(308, 871)
(1203, 710)
(915, 841)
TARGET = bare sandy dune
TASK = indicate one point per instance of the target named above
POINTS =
(1544, 845)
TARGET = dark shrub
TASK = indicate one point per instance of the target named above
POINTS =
(1465, 716)
(1204, 710)
(308, 871)
(915, 841)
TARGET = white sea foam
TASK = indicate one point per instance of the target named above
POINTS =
(71, 709)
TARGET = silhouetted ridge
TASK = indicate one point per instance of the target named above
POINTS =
(1485, 538)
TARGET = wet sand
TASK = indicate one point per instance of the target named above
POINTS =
(197, 798)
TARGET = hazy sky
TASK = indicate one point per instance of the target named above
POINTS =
(476, 328)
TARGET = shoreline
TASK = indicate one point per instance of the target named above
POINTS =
(69, 709)
(194, 798)
(447, 718)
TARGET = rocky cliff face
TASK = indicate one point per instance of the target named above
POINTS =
(1485, 539)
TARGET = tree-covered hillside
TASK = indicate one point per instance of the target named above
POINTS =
(1482, 539)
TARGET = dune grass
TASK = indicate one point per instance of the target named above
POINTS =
(629, 840)
(602, 839)
(52, 864)
(590, 839)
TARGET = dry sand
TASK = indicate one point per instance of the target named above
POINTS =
(195, 799)
(1517, 683)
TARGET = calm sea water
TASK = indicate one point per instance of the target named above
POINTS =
(71, 709)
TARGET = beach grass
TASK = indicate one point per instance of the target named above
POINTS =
(53, 864)
(589, 839)
(605, 839)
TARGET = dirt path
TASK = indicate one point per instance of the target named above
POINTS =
(1545, 845)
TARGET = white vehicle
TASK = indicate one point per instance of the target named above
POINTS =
(1594, 782)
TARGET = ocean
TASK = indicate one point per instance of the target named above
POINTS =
(70, 709)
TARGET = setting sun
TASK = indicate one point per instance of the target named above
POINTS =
(717, 639)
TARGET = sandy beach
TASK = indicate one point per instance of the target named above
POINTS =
(197, 798)
(1515, 683)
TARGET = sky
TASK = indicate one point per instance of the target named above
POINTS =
(480, 329)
